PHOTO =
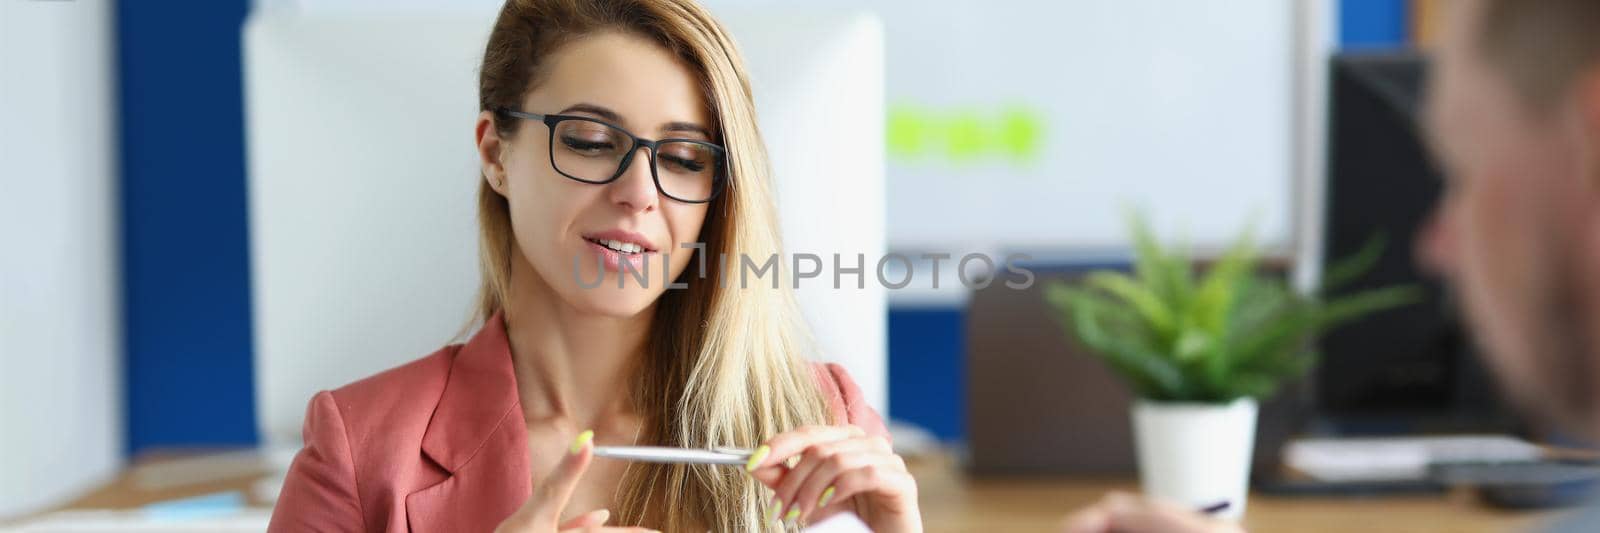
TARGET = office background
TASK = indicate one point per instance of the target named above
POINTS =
(176, 209)
(185, 274)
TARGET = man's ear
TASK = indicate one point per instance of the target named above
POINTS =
(1587, 126)
(1586, 123)
(489, 150)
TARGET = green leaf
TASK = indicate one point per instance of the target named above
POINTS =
(1059, 294)
(1279, 333)
(1165, 275)
(1192, 344)
(1255, 385)
(1348, 269)
(1149, 304)
(1356, 305)
(1214, 300)
(1093, 318)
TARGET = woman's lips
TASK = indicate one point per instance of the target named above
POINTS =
(612, 260)
(619, 239)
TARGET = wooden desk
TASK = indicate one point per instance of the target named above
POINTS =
(953, 503)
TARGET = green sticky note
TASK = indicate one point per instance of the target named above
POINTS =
(1020, 133)
(964, 136)
(907, 131)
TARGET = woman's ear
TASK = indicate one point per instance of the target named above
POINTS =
(488, 141)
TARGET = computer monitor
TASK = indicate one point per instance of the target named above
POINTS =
(1413, 368)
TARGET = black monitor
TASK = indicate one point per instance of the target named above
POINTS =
(1409, 369)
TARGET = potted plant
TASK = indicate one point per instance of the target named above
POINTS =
(1199, 349)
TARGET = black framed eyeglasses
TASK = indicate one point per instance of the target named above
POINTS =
(594, 151)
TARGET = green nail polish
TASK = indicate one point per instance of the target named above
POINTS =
(756, 457)
(583, 438)
(827, 494)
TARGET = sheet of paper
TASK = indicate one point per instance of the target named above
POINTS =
(839, 523)
(1398, 458)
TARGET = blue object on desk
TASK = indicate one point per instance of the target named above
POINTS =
(203, 506)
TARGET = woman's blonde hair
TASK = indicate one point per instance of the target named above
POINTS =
(722, 365)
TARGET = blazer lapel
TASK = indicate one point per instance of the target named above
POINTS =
(477, 435)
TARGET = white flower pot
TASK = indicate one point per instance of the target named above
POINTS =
(1196, 454)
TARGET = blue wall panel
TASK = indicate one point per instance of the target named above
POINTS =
(927, 360)
(1373, 23)
(186, 285)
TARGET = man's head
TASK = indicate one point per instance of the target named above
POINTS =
(1514, 119)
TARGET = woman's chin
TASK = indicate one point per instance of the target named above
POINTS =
(608, 300)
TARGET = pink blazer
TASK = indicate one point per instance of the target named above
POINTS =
(438, 444)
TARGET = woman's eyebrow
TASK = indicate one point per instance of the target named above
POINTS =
(604, 113)
(687, 126)
(614, 117)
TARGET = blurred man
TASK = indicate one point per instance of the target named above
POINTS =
(1514, 121)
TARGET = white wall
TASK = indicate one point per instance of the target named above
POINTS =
(60, 421)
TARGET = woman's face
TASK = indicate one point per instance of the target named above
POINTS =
(557, 221)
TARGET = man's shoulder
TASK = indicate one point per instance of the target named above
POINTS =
(1582, 520)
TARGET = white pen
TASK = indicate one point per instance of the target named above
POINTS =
(662, 454)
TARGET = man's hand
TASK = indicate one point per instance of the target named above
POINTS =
(1126, 513)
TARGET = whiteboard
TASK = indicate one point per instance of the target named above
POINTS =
(1185, 109)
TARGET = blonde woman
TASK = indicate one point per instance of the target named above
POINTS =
(614, 135)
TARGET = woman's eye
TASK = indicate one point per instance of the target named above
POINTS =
(687, 165)
(588, 146)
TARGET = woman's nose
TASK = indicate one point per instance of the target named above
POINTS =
(635, 189)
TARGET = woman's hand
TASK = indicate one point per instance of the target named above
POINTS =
(1126, 513)
(549, 499)
(838, 468)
